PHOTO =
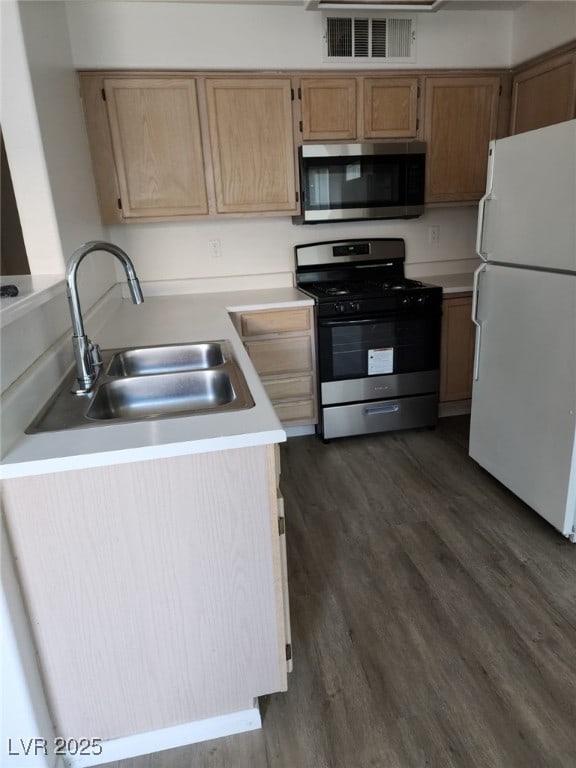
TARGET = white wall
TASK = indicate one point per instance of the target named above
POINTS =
(48, 154)
(61, 122)
(540, 26)
(21, 131)
(64, 143)
(265, 246)
(221, 36)
(47, 147)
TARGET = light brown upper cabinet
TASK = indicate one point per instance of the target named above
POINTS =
(250, 121)
(390, 107)
(460, 120)
(356, 108)
(329, 108)
(544, 93)
(180, 145)
(155, 131)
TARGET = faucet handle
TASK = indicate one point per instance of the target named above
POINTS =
(95, 354)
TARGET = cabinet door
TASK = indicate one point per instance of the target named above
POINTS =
(544, 94)
(285, 354)
(461, 119)
(155, 131)
(390, 107)
(458, 333)
(172, 566)
(252, 144)
(328, 108)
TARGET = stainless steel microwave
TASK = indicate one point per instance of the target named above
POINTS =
(378, 180)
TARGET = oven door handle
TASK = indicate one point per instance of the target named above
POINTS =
(390, 317)
(385, 408)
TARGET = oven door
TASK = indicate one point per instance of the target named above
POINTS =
(391, 344)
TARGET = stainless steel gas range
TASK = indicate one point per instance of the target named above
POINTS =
(378, 337)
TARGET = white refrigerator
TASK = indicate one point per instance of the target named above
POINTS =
(523, 420)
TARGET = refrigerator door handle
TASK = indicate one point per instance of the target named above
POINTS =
(482, 205)
(480, 226)
(476, 321)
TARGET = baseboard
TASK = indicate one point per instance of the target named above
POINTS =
(170, 738)
(307, 429)
(456, 408)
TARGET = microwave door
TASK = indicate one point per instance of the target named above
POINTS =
(379, 181)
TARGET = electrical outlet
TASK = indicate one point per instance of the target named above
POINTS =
(434, 234)
(215, 248)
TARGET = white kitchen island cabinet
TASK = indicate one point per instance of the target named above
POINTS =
(154, 589)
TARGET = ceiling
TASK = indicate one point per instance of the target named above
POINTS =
(454, 5)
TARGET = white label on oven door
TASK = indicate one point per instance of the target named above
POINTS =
(380, 360)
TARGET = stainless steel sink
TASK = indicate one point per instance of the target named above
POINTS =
(165, 394)
(148, 383)
(167, 359)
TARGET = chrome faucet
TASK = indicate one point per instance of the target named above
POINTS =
(86, 353)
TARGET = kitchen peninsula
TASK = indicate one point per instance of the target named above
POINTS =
(151, 554)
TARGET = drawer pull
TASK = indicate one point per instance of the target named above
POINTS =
(386, 408)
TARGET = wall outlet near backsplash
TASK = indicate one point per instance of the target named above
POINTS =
(434, 234)
(215, 248)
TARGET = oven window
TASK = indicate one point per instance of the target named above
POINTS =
(345, 346)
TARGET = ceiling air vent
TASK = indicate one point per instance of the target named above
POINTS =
(363, 38)
(373, 5)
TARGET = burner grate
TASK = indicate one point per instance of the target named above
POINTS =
(364, 287)
(401, 284)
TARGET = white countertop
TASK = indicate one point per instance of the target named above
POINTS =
(33, 290)
(460, 282)
(164, 320)
(169, 320)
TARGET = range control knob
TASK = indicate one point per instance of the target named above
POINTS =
(354, 306)
(339, 307)
(405, 299)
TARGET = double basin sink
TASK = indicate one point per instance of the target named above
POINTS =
(147, 383)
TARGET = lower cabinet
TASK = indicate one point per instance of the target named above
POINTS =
(457, 359)
(280, 343)
(156, 590)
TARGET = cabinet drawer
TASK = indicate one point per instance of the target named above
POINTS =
(289, 387)
(276, 321)
(297, 410)
(282, 355)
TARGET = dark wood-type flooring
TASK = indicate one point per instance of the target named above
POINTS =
(433, 617)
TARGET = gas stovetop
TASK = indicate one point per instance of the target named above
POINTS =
(360, 277)
(359, 298)
(360, 288)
